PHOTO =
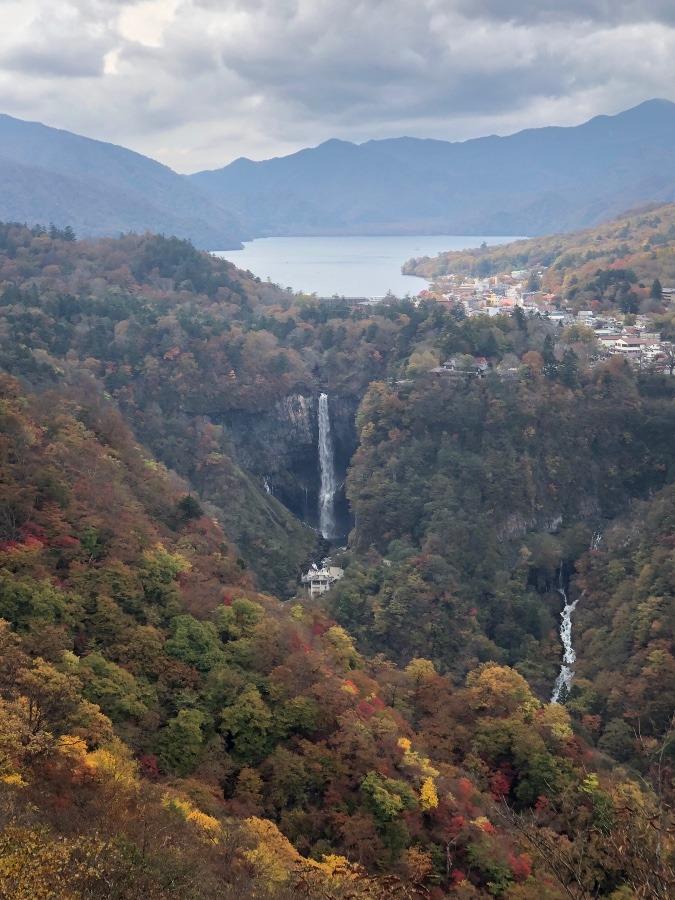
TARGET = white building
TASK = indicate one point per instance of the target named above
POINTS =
(318, 581)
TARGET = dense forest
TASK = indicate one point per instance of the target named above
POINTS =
(169, 726)
(473, 494)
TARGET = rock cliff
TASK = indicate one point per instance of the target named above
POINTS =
(280, 447)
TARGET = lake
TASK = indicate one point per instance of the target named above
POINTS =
(347, 266)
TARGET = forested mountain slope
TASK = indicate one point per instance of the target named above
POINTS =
(157, 716)
(625, 629)
(82, 317)
(474, 492)
(51, 175)
(641, 242)
(167, 729)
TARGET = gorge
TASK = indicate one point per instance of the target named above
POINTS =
(300, 450)
(169, 453)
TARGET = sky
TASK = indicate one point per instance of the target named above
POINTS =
(198, 83)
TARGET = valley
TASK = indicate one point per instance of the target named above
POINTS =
(337, 450)
(180, 440)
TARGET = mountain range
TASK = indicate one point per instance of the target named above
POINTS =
(534, 182)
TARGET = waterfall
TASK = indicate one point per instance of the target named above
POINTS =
(566, 674)
(266, 485)
(327, 472)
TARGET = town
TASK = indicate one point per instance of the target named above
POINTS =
(630, 335)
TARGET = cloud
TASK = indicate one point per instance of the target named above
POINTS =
(197, 83)
(60, 43)
(607, 12)
(47, 61)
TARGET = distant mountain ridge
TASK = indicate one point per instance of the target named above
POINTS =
(51, 175)
(533, 182)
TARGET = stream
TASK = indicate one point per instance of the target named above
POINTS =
(566, 674)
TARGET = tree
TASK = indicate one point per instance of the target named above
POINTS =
(114, 689)
(158, 573)
(569, 368)
(179, 745)
(189, 507)
(533, 282)
(386, 798)
(245, 724)
(520, 319)
(629, 302)
(195, 643)
(656, 290)
(53, 698)
(548, 355)
(668, 351)
(618, 740)
(428, 795)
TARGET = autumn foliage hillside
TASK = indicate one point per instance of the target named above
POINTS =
(167, 729)
(627, 616)
(641, 242)
(470, 495)
(183, 342)
(157, 716)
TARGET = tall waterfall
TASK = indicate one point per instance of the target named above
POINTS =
(566, 674)
(327, 472)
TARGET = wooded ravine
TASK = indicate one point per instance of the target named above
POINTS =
(177, 718)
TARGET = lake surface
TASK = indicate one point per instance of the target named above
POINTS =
(347, 266)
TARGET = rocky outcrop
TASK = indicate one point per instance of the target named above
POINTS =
(272, 441)
(516, 525)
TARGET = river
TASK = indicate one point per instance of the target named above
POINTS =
(347, 266)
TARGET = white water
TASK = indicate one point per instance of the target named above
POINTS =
(327, 472)
(566, 674)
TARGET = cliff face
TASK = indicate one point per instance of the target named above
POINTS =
(280, 447)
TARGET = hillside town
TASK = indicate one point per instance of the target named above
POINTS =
(631, 336)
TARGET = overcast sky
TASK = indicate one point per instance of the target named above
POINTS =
(197, 83)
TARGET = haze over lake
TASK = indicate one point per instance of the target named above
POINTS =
(347, 266)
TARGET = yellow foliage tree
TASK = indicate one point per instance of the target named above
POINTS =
(428, 795)
(555, 719)
(36, 866)
(116, 767)
(499, 690)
